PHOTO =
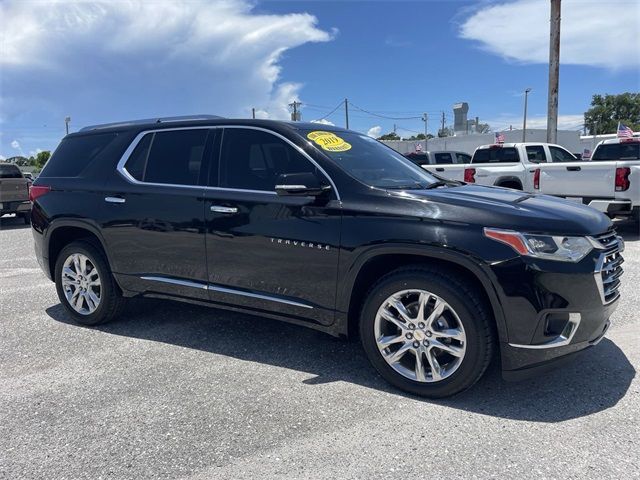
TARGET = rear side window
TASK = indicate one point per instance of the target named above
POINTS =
(496, 155)
(75, 153)
(535, 154)
(10, 171)
(443, 158)
(617, 151)
(418, 158)
(463, 158)
(171, 157)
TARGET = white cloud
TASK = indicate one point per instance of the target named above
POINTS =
(323, 121)
(602, 34)
(565, 122)
(375, 132)
(215, 57)
(2, 158)
(15, 144)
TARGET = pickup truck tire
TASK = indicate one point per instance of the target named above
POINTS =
(453, 318)
(27, 218)
(86, 288)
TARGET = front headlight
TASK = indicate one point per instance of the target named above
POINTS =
(549, 247)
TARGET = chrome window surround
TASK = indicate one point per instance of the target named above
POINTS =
(561, 340)
(232, 291)
(127, 153)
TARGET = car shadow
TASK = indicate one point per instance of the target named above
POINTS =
(628, 229)
(14, 222)
(596, 381)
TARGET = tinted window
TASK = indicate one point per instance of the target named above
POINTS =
(75, 153)
(620, 151)
(418, 158)
(496, 155)
(561, 155)
(463, 158)
(369, 160)
(175, 157)
(138, 160)
(253, 160)
(10, 171)
(443, 158)
(535, 154)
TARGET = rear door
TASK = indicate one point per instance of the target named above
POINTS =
(154, 213)
(497, 164)
(565, 176)
(447, 165)
(268, 252)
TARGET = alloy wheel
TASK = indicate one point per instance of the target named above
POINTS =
(81, 283)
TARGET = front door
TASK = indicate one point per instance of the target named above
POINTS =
(268, 252)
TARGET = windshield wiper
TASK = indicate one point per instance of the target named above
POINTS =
(436, 185)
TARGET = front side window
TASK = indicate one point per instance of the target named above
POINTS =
(367, 160)
(561, 155)
(535, 154)
(169, 157)
(254, 159)
(443, 158)
(496, 155)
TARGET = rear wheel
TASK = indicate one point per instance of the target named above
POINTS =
(85, 285)
(426, 332)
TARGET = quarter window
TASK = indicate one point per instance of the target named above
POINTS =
(253, 160)
(535, 154)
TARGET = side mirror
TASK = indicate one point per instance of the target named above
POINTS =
(304, 184)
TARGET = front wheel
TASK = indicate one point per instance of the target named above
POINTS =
(426, 332)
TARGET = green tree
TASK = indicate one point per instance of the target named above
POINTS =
(41, 158)
(607, 110)
(445, 132)
(389, 136)
(483, 128)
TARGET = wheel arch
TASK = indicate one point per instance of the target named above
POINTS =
(380, 261)
(509, 180)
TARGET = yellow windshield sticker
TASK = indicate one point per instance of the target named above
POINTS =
(329, 141)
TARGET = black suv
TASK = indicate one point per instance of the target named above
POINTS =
(327, 228)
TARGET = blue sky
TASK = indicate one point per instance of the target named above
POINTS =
(100, 61)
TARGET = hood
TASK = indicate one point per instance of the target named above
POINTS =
(510, 209)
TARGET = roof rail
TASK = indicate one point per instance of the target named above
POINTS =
(143, 121)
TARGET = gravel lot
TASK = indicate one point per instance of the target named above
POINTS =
(175, 391)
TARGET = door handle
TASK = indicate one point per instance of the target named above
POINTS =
(439, 169)
(114, 199)
(222, 209)
(574, 169)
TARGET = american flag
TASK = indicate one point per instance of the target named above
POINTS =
(624, 131)
(499, 137)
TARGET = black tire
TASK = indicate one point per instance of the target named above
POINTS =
(472, 311)
(111, 300)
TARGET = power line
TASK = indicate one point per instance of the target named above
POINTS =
(382, 116)
(332, 111)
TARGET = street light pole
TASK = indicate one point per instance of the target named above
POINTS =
(67, 120)
(524, 121)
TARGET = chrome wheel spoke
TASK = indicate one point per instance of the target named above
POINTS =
(424, 324)
(67, 272)
(81, 284)
(83, 264)
(436, 369)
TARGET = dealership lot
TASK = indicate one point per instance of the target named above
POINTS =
(178, 391)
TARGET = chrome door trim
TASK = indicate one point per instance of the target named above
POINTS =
(219, 289)
(127, 153)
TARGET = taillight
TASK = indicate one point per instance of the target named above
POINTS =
(622, 179)
(36, 191)
(536, 179)
(470, 175)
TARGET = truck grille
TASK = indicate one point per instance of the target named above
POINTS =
(609, 268)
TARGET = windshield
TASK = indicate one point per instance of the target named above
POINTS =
(617, 151)
(369, 161)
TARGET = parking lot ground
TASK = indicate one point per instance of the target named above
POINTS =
(178, 391)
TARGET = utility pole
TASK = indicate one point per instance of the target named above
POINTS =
(442, 129)
(524, 121)
(346, 113)
(67, 120)
(425, 119)
(295, 113)
(394, 128)
(253, 113)
(554, 73)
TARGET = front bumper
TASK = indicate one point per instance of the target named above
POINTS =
(556, 309)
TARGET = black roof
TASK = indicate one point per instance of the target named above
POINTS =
(201, 120)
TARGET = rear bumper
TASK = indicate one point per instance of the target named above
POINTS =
(611, 207)
(15, 207)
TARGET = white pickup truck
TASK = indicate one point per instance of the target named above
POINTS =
(610, 182)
